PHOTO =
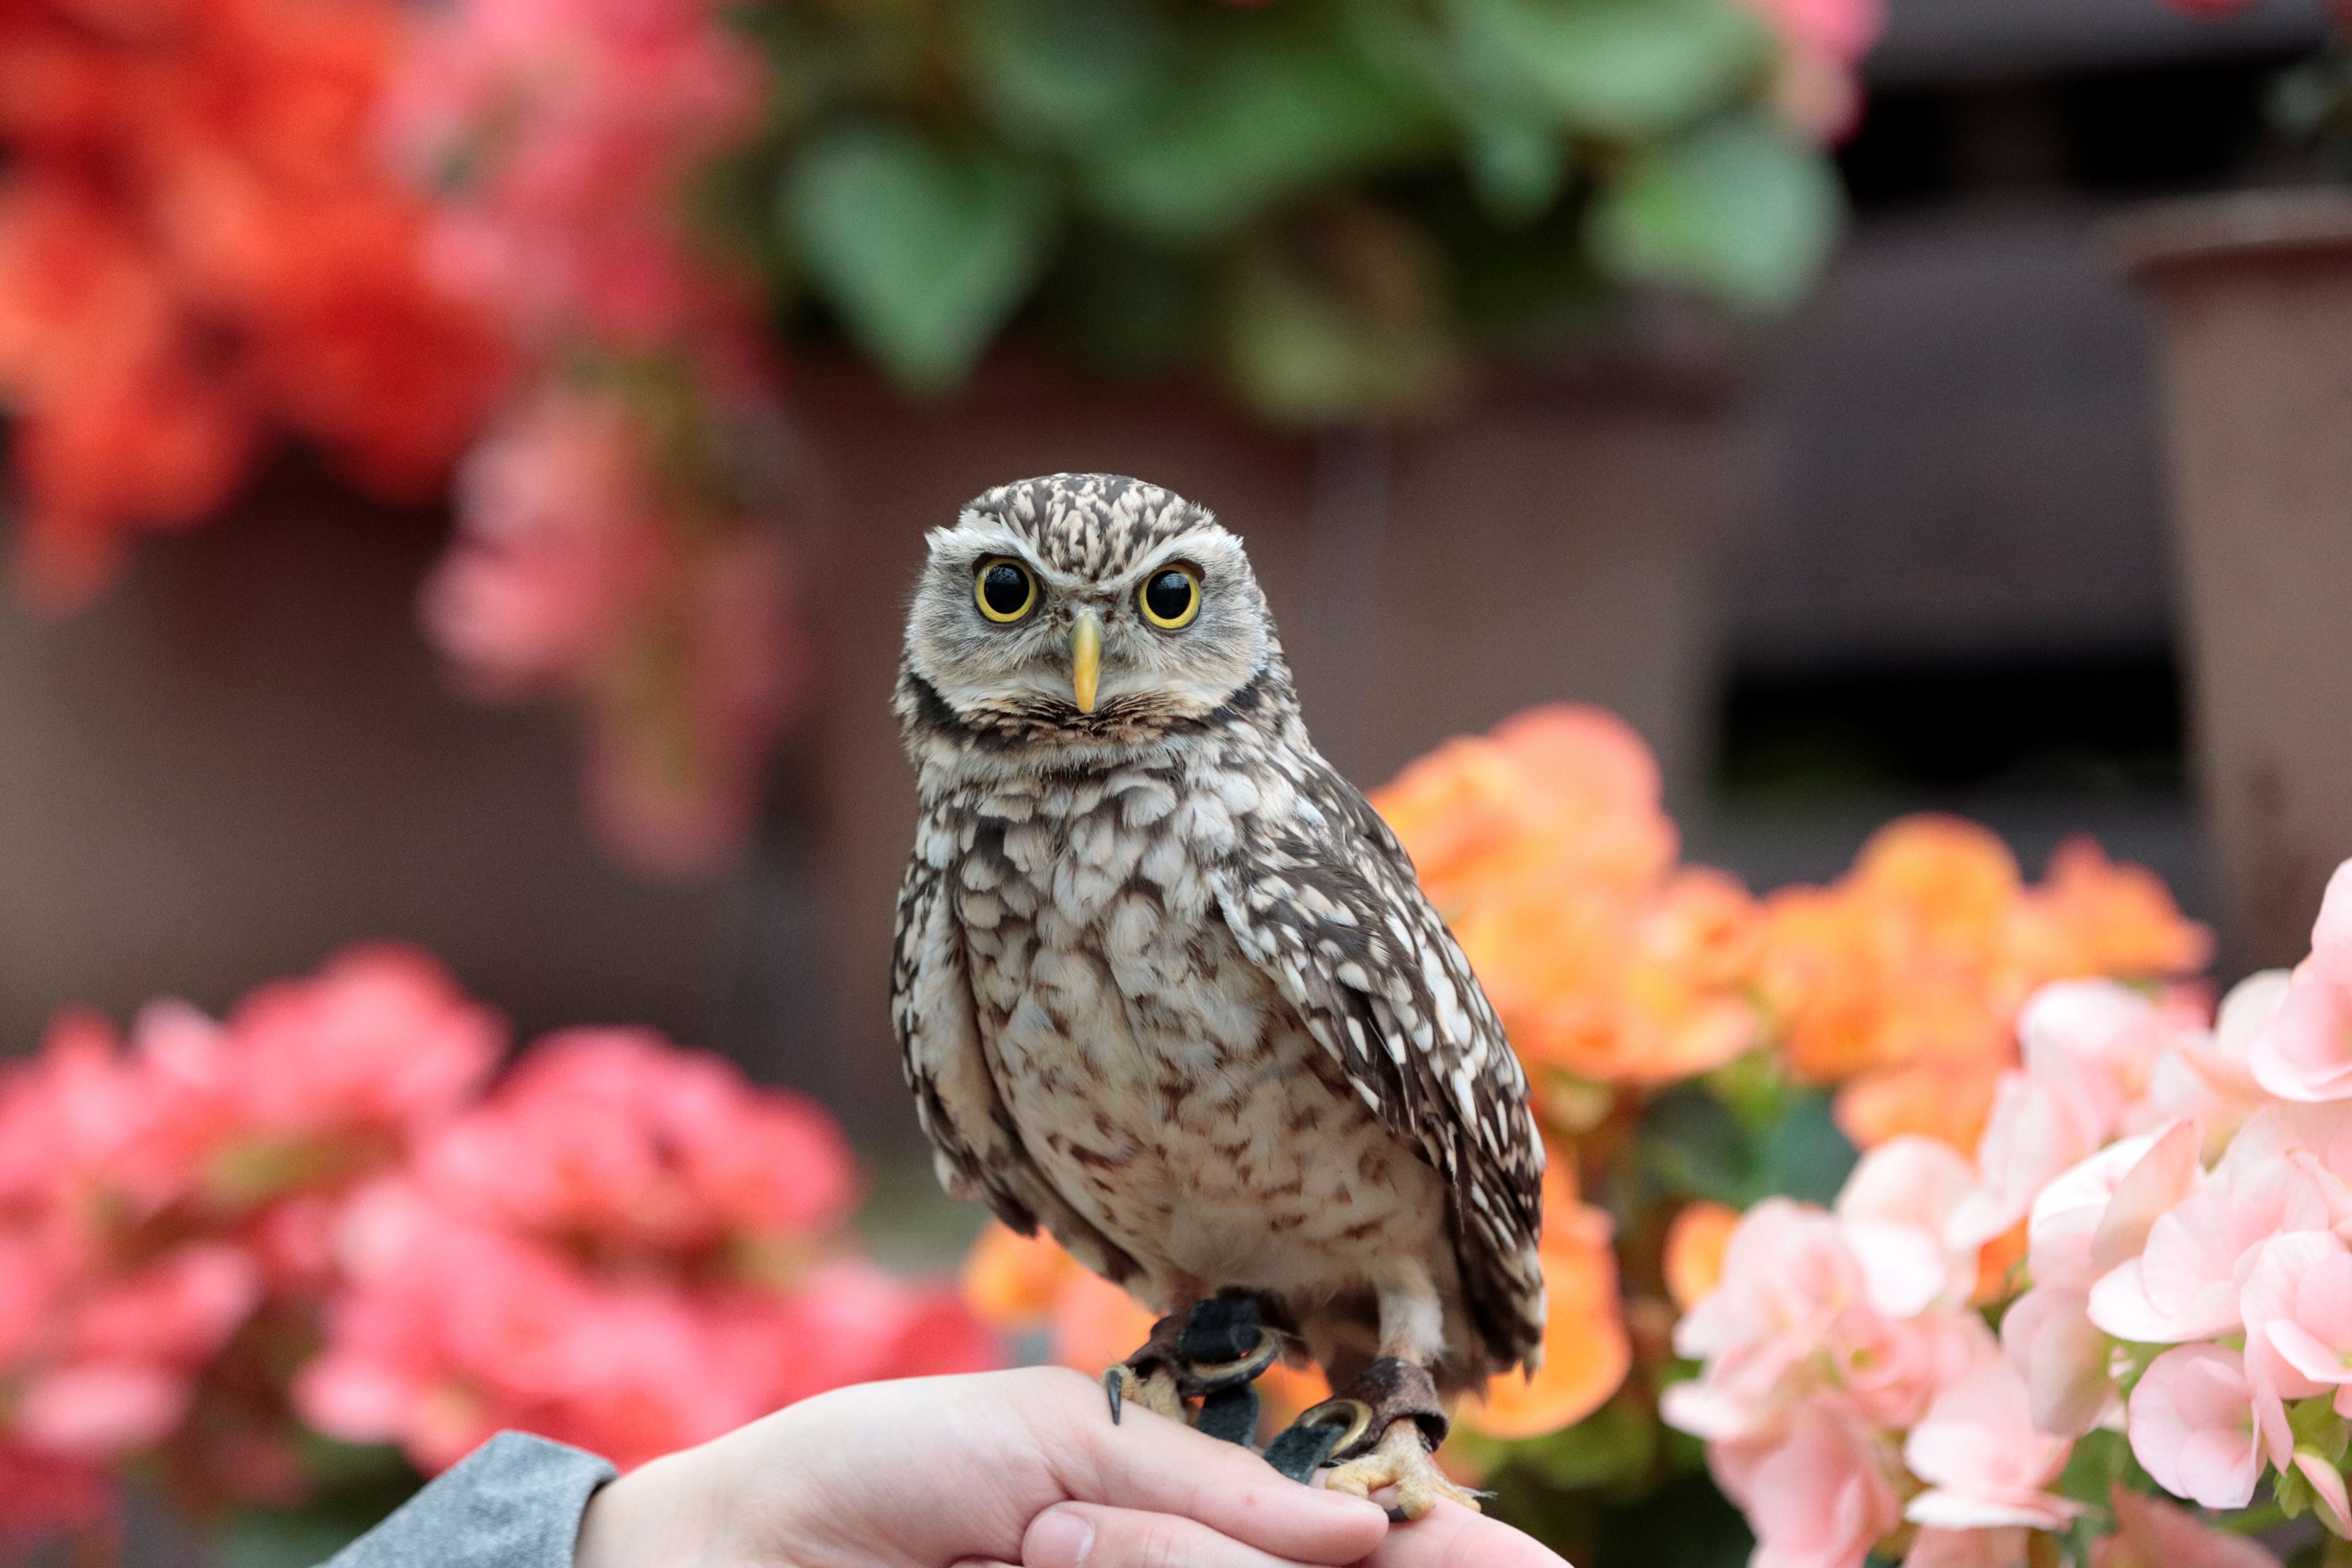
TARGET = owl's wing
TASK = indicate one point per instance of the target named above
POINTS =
(976, 1147)
(1324, 899)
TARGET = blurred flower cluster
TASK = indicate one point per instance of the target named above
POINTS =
(564, 237)
(617, 540)
(1696, 1051)
(201, 248)
(1902, 981)
(223, 1242)
(2177, 1322)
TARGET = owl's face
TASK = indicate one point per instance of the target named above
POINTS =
(1081, 602)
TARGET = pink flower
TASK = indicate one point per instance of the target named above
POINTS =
(181, 1309)
(1820, 1498)
(2185, 1285)
(1788, 1274)
(1896, 1207)
(43, 1494)
(2193, 1426)
(2001, 1547)
(2041, 1125)
(2153, 1533)
(2084, 1223)
(2204, 1076)
(380, 1039)
(614, 1134)
(1822, 41)
(560, 539)
(2049, 1338)
(1884, 1371)
(2303, 1287)
(672, 785)
(1985, 1464)
(101, 1410)
(2097, 1216)
(2091, 1048)
(2304, 1051)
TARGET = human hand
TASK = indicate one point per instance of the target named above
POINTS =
(972, 1472)
(1451, 1536)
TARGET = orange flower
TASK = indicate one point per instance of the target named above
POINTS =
(1695, 1248)
(2091, 915)
(1557, 792)
(1586, 1351)
(1902, 982)
(1019, 1284)
(1947, 1101)
(1545, 845)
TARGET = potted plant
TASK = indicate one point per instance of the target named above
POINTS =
(2253, 299)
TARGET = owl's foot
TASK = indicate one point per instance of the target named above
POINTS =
(1211, 1356)
(1155, 1392)
(1408, 1423)
(1401, 1459)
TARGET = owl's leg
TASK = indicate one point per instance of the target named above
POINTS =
(1210, 1352)
(1407, 1420)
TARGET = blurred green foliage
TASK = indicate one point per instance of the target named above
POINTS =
(1336, 207)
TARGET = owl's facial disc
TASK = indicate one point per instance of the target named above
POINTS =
(1004, 635)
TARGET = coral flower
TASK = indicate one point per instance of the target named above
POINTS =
(1695, 1244)
(198, 250)
(1586, 1351)
(1547, 849)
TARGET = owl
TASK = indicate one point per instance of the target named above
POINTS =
(1166, 985)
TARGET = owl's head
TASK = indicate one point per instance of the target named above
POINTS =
(1085, 604)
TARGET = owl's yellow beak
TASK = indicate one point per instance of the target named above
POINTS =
(1085, 659)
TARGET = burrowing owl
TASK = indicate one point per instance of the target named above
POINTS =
(1167, 985)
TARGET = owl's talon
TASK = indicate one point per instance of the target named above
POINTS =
(1401, 1459)
(1156, 1393)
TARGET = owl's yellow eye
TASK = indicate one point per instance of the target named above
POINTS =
(1171, 598)
(1004, 589)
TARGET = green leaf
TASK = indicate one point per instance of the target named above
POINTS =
(1271, 117)
(1518, 164)
(924, 252)
(1126, 308)
(1341, 318)
(1628, 69)
(1694, 1146)
(1738, 209)
(1805, 1156)
(1615, 1444)
(1066, 69)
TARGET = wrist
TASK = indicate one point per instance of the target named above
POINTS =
(653, 1517)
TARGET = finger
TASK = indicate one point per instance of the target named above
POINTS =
(1089, 1535)
(982, 1563)
(1158, 1465)
(1451, 1536)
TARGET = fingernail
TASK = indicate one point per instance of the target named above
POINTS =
(1058, 1538)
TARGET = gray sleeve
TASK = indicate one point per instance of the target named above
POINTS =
(514, 1503)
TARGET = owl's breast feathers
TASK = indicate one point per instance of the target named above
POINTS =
(1120, 873)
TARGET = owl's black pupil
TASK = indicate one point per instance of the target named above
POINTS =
(1169, 596)
(1006, 589)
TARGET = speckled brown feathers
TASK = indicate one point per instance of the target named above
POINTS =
(1167, 985)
